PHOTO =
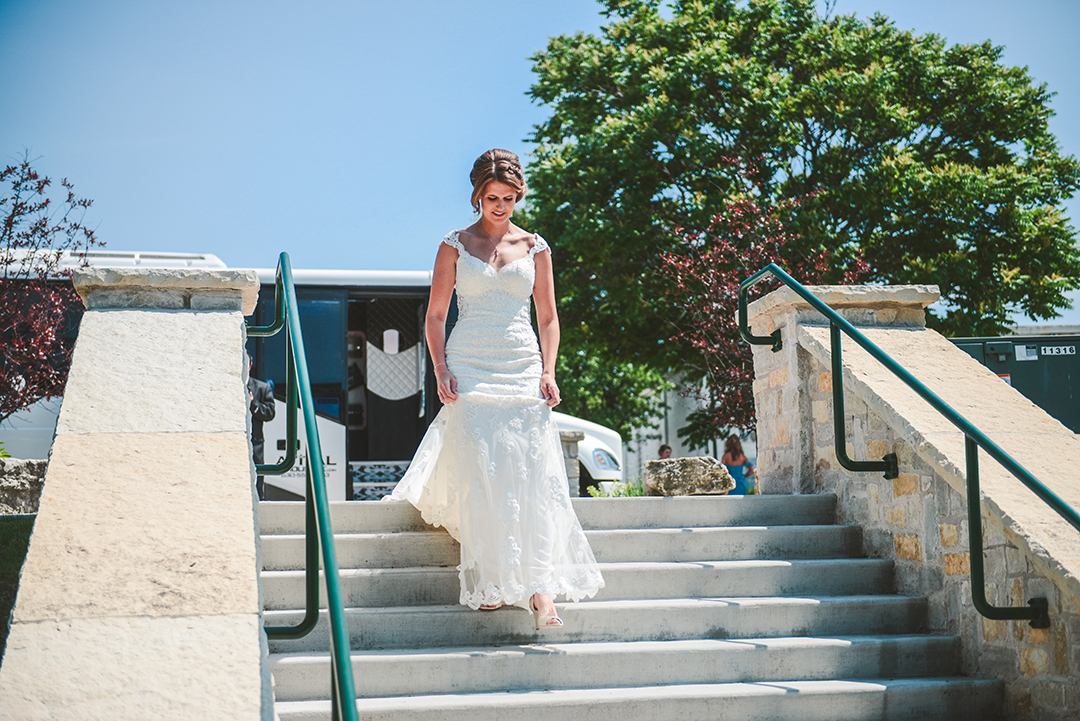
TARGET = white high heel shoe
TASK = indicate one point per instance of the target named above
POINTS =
(544, 623)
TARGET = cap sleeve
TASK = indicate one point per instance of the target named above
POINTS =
(540, 245)
(451, 239)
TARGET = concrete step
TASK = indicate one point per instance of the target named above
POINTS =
(603, 621)
(609, 665)
(284, 590)
(280, 517)
(801, 615)
(940, 699)
(418, 548)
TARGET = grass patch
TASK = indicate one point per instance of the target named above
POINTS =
(14, 540)
(617, 490)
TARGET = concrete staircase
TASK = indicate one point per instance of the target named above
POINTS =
(752, 608)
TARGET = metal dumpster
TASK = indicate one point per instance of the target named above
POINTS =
(1044, 368)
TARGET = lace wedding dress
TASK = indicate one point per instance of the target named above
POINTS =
(490, 467)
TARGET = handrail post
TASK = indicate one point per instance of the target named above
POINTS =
(1038, 612)
(339, 636)
(335, 706)
(319, 531)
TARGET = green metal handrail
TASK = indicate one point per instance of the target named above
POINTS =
(1038, 611)
(319, 533)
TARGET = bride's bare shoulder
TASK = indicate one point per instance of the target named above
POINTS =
(468, 235)
(520, 235)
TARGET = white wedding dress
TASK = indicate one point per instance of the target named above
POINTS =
(490, 468)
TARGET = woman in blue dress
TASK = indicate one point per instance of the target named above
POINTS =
(738, 465)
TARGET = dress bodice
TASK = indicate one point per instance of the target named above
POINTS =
(481, 286)
(493, 349)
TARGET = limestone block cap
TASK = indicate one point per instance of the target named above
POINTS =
(861, 304)
(172, 288)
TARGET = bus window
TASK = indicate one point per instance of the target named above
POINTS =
(322, 322)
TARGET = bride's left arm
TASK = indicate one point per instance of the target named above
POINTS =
(547, 321)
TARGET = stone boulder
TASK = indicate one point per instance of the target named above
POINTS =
(686, 477)
(20, 485)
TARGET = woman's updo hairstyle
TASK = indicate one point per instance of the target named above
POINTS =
(498, 165)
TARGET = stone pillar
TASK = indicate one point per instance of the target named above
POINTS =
(139, 597)
(785, 413)
(570, 440)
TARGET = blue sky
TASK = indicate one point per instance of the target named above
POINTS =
(340, 131)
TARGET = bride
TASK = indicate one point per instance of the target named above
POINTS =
(490, 467)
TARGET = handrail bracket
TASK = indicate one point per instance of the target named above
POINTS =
(889, 463)
(1038, 611)
(773, 338)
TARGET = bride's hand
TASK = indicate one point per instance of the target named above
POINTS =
(549, 390)
(447, 385)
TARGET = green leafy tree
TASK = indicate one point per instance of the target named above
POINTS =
(609, 392)
(600, 387)
(934, 161)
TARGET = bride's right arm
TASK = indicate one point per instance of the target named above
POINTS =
(442, 289)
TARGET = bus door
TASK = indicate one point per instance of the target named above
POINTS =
(389, 385)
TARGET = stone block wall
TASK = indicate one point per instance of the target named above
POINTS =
(920, 518)
(139, 597)
(921, 522)
(784, 460)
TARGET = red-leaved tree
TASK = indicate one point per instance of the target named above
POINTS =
(705, 273)
(39, 308)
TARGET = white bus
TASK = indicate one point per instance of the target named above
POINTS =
(372, 380)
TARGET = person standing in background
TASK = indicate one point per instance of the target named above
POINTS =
(738, 465)
(665, 452)
(263, 408)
